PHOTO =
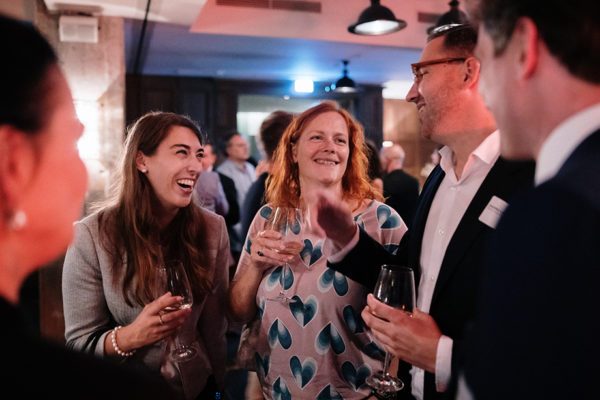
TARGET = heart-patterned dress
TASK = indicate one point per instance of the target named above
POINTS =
(316, 346)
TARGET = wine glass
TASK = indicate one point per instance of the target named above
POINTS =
(395, 287)
(290, 222)
(171, 277)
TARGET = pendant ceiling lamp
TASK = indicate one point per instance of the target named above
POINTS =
(454, 16)
(345, 84)
(376, 20)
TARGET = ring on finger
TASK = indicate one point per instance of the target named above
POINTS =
(161, 320)
(260, 254)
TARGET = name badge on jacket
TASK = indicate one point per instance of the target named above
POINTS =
(493, 211)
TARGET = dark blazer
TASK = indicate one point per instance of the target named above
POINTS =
(454, 297)
(35, 368)
(536, 335)
(401, 192)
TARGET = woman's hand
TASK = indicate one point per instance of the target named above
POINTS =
(154, 323)
(268, 249)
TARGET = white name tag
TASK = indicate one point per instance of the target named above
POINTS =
(493, 211)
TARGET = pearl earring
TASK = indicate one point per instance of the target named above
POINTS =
(17, 220)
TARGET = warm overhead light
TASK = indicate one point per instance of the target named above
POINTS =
(345, 84)
(454, 16)
(376, 20)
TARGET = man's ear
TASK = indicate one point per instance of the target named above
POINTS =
(17, 165)
(140, 162)
(526, 40)
(471, 68)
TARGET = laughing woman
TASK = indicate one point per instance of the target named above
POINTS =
(110, 308)
(314, 345)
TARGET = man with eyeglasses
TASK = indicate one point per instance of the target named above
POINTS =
(459, 205)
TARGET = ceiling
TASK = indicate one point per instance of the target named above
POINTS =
(268, 39)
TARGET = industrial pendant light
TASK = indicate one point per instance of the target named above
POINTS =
(345, 84)
(454, 16)
(376, 20)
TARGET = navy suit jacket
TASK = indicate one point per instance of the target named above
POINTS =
(454, 297)
(536, 335)
(401, 192)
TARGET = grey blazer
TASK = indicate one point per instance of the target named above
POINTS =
(93, 305)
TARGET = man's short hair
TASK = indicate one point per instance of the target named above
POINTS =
(461, 38)
(272, 129)
(570, 29)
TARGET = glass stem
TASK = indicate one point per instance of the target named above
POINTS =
(386, 363)
(284, 268)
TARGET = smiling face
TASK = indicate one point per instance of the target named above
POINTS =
(322, 151)
(173, 169)
(435, 91)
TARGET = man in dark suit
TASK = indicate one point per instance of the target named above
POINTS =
(401, 190)
(535, 335)
(457, 211)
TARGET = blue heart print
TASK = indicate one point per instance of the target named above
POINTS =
(359, 221)
(329, 393)
(265, 212)
(353, 320)
(279, 333)
(386, 219)
(304, 311)
(261, 307)
(331, 277)
(303, 372)
(248, 246)
(391, 248)
(263, 364)
(310, 254)
(372, 350)
(276, 276)
(329, 336)
(355, 377)
(280, 390)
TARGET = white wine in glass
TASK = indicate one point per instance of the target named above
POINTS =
(395, 287)
(171, 277)
(290, 222)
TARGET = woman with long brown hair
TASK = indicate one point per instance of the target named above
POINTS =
(314, 345)
(111, 308)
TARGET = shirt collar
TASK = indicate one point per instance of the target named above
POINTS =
(563, 140)
(487, 152)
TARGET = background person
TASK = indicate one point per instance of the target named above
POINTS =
(109, 269)
(401, 190)
(315, 345)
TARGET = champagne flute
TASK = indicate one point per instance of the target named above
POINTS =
(395, 287)
(171, 277)
(290, 222)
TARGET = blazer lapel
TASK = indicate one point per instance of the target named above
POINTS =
(470, 226)
(415, 234)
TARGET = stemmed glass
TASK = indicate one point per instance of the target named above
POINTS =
(290, 222)
(395, 287)
(171, 277)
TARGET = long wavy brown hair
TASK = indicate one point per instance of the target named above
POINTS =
(283, 185)
(129, 229)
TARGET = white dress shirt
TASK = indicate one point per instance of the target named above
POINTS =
(449, 204)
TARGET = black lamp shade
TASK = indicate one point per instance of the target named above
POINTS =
(454, 16)
(345, 84)
(376, 20)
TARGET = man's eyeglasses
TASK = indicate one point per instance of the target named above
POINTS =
(416, 67)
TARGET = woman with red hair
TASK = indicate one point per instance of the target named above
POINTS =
(315, 344)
